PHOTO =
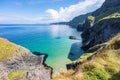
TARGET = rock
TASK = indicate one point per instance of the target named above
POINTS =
(23, 59)
(72, 37)
(100, 33)
(89, 22)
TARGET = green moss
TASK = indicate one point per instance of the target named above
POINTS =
(16, 74)
(91, 18)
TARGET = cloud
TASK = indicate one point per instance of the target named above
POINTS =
(67, 13)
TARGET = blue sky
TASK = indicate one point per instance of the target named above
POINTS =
(44, 11)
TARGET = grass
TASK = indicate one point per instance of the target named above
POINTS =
(82, 58)
(16, 74)
(102, 67)
(108, 12)
(7, 49)
(114, 42)
(103, 64)
(112, 16)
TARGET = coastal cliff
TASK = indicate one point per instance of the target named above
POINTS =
(18, 63)
(102, 25)
(101, 42)
(102, 64)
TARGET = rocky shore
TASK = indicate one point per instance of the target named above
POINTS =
(18, 63)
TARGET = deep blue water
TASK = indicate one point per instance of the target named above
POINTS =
(48, 39)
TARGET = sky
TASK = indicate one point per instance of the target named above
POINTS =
(44, 11)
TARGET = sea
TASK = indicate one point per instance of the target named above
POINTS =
(52, 40)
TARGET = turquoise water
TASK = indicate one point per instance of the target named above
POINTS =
(47, 39)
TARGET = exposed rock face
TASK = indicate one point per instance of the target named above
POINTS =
(102, 64)
(23, 59)
(100, 33)
(105, 25)
(89, 22)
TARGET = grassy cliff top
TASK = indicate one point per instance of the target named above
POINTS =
(7, 49)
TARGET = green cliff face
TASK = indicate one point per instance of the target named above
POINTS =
(105, 25)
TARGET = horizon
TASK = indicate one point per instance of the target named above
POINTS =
(39, 12)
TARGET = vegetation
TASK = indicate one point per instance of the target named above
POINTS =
(7, 49)
(83, 58)
(16, 74)
(108, 12)
(101, 65)
(91, 18)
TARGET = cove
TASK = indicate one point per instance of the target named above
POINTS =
(52, 40)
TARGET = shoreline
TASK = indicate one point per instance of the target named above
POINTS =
(44, 57)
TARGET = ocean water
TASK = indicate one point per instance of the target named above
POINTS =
(52, 40)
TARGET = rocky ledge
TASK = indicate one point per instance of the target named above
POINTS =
(18, 63)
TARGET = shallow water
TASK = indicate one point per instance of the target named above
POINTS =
(47, 39)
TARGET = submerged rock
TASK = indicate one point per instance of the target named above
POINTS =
(75, 51)
(72, 37)
(58, 37)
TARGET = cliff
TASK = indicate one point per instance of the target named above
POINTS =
(102, 64)
(18, 63)
(104, 28)
(101, 42)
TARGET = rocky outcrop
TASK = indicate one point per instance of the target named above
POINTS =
(22, 60)
(89, 22)
(101, 32)
(105, 25)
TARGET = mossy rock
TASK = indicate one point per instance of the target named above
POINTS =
(17, 74)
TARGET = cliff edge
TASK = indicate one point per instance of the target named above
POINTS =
(18, 63)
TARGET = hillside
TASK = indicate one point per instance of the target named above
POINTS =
(105, 26)
(107, 5)
(77, 20)
(102, 64)
(18, 63)
(101, 42)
